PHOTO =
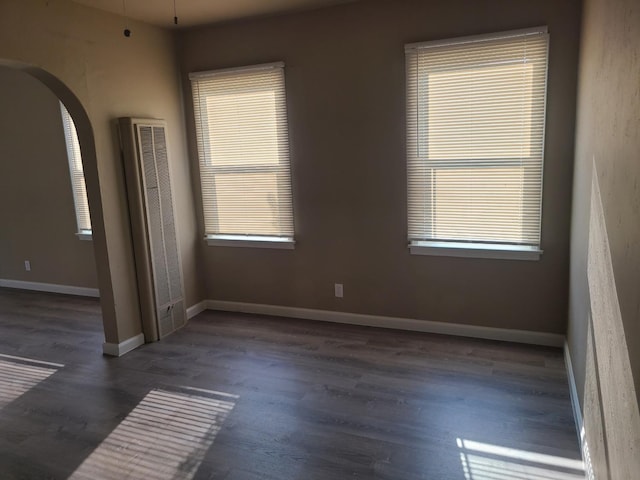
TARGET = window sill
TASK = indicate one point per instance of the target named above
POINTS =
(475, 250)
(250, 241)
(85, 236)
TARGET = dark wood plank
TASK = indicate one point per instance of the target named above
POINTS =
(310, 400)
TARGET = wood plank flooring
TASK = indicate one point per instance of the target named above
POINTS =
(234, 396)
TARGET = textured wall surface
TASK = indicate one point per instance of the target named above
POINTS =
(593, 449)
(608, 136)
(615, 443)
(345, 77)
(608, 133)
(36, 201)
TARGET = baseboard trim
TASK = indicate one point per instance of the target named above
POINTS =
(577, 414)
(490, 333)
(196, 309)
(573, 391)
(50, 287)
(119, 349)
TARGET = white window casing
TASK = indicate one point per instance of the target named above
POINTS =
(475, 144)
(243, 149)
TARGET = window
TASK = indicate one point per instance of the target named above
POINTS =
(243, 147)
(77, 175)
(475, 139)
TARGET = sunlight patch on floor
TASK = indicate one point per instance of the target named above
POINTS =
(484, 461)
(19, 375)
(165, 437)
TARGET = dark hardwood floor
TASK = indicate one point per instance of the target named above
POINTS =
(234, 396)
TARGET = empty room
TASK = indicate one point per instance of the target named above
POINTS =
(319, 239)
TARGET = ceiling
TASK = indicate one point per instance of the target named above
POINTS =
(200, 12)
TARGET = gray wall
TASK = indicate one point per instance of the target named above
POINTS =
(608, 136)
(36, 201)
(345, 90)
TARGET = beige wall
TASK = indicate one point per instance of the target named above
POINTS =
(608, 137)
(111, 76)
(345, 90)
(37, 211)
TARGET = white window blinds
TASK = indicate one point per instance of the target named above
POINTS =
(475, 138)
(241, 128)
(77, 174)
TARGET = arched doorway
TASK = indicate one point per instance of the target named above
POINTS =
(89, 160)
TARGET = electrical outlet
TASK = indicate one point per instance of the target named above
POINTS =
(27, 265)
(339, 290)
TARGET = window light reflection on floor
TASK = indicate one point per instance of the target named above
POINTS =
(19, 375)
(484, 461)
(166, 436)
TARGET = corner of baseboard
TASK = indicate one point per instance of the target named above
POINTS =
(196, 309)
(119, 349)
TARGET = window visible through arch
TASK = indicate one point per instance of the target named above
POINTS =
(76, 171)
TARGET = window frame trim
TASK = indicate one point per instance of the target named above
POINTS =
(233, 239)
(251, 241)
(85, 234)
(479, 249)
(234, 70)
(497, 251)
(410, 47)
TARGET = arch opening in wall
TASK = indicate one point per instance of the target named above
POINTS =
(85, 138)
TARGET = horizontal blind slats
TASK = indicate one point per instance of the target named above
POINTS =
(475, 134)
(243, 147)
(76, 171)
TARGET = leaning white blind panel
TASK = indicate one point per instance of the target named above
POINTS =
(77, 173)
(475, 138)
(241, 127)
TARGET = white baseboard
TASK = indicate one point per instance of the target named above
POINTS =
(50, 287)
(577, 414)
(504, 334)
(194, 310)
(573, 390)
(119, 349)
